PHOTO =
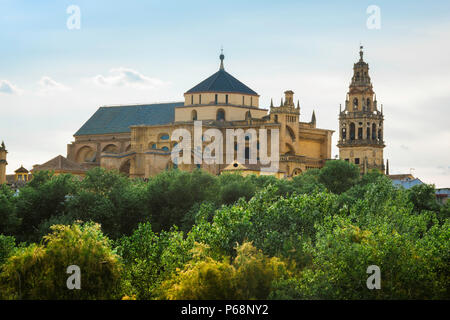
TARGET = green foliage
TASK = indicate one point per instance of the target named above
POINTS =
(233, 187)
(8, 216)
(42, 199)
(150, 259)
(7, 247)
(173, 193)
(423, 197)
(249, 276)
(312, 237)
(39, 271)
(277, 225)
(338, 175)
(343, 252)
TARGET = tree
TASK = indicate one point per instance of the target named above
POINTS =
(423, 197)
(150, 259)
(44, 198)
(7, 247)
(8, 216)
(249, 276)
(171, 194)
(39, 271)
(339, 176)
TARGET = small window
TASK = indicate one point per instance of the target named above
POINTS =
(243, 100)
(164, 137)
(154, 146)
(192, 99)
(347, 160)
(215, 99)
(356, 160)
(165, 148)
(194, 115)
(199, 99)
(226, 99)
(220, 115)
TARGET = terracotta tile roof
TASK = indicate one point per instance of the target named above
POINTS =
(60, 163)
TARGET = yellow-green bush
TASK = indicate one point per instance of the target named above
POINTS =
(249, 276)
(39, 270)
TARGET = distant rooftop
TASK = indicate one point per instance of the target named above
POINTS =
(60, 163)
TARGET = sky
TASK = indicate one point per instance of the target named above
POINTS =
(53, 76)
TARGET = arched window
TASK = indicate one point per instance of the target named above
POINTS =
(165, 148)
(344, 133)
(368, 102)
(226, 99)
(374, 131)
(164, 136)
(355, 102)
(216, 99)
(360, 133)
(194, 115)
(154, 146)
(248, 115)
(247, 153)
(368, 133)
(220, 115)
(380, 136)
(352, 131)
(276, 118)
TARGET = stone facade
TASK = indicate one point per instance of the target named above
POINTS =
(361, 122)
(221, 102)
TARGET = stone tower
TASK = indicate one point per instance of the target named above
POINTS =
(287, 114)
(3, 163)
(361, 123)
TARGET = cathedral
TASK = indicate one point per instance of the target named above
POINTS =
(361, 122)
(135, 139)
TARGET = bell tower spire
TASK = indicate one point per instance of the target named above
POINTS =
(360, 123)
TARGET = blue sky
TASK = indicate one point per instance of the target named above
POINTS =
(49, 75)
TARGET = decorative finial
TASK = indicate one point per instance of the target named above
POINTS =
(387, 167)
(340, 108)
(313, 118)
(271, 102)
(281, 102)
(361, 53)
(298, 104)
(221, 59)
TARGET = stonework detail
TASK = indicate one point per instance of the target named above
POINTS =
(361, 122)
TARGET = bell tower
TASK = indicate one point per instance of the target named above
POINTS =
(3, 163)
(361, 122)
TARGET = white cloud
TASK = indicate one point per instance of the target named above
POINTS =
(7, 87)
(48, 85)
(125, 77)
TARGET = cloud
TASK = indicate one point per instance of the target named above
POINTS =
(48, 85)
(7, 87)
(125, 77)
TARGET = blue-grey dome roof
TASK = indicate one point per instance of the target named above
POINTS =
(222, 81)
